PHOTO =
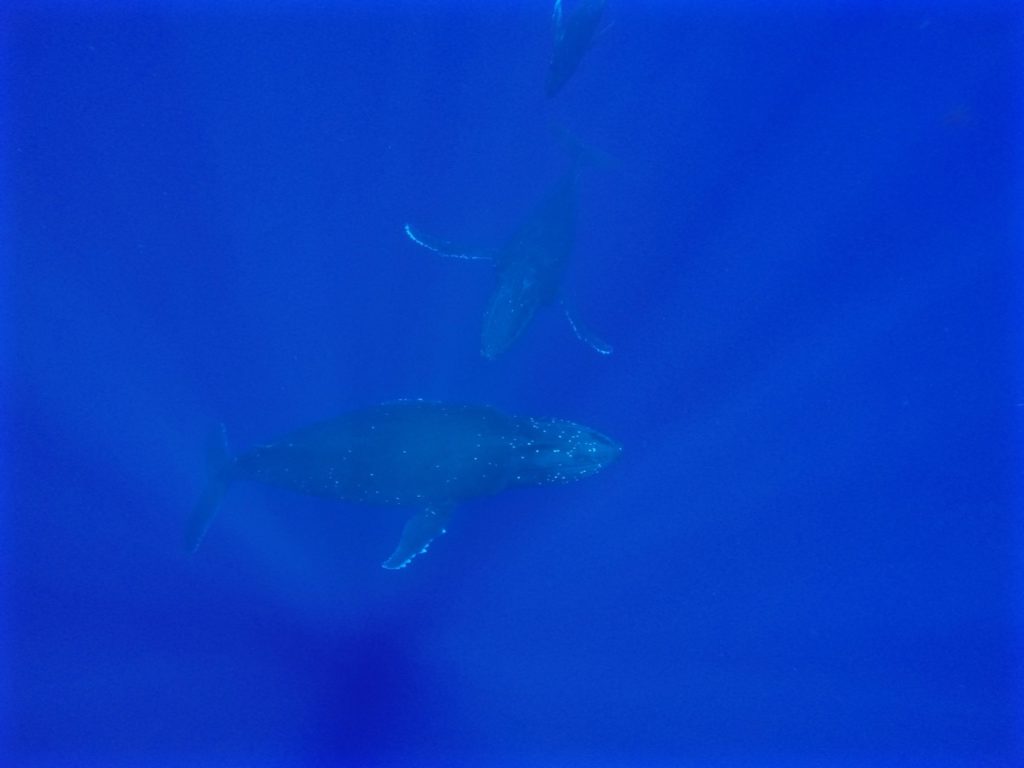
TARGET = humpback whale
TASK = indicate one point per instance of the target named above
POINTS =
(411, 453)
(530, 267)
(574, 34)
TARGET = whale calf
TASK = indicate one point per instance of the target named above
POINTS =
(530, 266)
(411, 453)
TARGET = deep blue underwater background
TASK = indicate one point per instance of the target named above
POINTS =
(801, 241)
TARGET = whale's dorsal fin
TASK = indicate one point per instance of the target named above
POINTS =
(421, 529)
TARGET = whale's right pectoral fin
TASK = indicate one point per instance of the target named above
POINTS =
(583, 333)
(449, 249)
(421, 529)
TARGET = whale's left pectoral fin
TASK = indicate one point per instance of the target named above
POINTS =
(447, 248)
(583, 333)
(421, 529)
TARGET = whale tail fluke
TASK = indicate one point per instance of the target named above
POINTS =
(218, 462)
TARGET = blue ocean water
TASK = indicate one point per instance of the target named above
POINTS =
(800, 233)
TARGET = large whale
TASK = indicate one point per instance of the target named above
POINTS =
(530, 267)
(411, 453)
(574, 33)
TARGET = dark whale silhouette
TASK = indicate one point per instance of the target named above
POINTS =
(411, 453)
(574, 34)
(530, 266)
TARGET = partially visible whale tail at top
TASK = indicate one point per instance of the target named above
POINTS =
(574, 33)
(218, 463)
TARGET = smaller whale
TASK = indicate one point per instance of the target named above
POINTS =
(410, 453)
(530, 266)
(574, 34)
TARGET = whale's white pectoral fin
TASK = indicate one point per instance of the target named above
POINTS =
(421, 529)
(584, 334)
(445, 248)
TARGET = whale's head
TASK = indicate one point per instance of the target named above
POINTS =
(558, 451)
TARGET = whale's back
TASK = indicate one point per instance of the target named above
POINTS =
(403, 453)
